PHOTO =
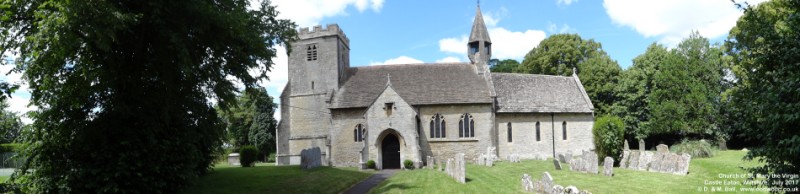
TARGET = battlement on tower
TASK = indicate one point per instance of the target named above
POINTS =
(318, 31)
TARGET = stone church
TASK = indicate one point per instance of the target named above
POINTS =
(392, 113)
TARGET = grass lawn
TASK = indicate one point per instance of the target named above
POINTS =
(505, 177)
(267, 178)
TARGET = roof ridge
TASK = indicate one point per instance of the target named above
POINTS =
(532, 75)
(412, 64)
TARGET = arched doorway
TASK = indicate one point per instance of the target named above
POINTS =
(390, 152)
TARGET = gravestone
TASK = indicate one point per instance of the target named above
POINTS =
(625, 145)
(723, 144)
(608, 166)
(558, 189)
(462, 168)
(310, 158)
(571, 190)
(527, 184)
(233, 159)
(641, 145)
(683, 164)
(449, 166)
(547, 182)
(568, 157)
(633, 161)
(430, 162)
(661, 148)
(557, 164)
(644, 160)
(623, 162)
(439, 162)
(561, 158)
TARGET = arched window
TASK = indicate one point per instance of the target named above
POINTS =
(538, 132)
(437, 126)
(564, 130)
(466, 126)
(358, 133)
(509, 131)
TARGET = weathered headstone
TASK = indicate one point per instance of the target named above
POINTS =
(561, 158)
(571, 190)
(683, 164)
(233, 159)
(641, 145)
(623, 162)
(723, 144)
(547, 182)
(644, 160)
(633, 161)
(608, 166)
(625, 145)
(557, 164)
(430, 162)
(310, 158)
(527, 184)
(558, 189)
(568, 157)
(439, 162)
(462, 168)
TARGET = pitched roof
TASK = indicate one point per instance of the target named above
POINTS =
(479, 32)
(417, 84)
(540, 93)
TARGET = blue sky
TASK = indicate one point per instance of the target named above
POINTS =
(415, 31)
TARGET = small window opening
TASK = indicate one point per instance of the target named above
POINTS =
(538, 132)
(564, 130)
(311, 52)
(509, 131)
(388, 108)
(312, 85)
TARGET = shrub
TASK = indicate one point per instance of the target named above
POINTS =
(408, 164)
(608, 136)
(9, 147)
(248, 155)
(696, 148)
(371, 164)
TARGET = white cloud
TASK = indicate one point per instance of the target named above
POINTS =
(555, 29)
(673, 20)
(398, 60)
(454, 45)
(565, 2)
(449, 60)
(308, 13)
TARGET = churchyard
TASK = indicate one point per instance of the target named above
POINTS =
(503, 177)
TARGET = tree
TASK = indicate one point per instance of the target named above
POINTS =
(504, 66)
(252, 122)
(608, 132)
(764, 49)
(123, 87)
(263, 129)
(686, 91)
(560, 53)
(635, 85)
(10, 124)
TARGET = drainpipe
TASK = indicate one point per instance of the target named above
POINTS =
(553, 132)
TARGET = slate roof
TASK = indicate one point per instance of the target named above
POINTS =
(417, 84)
(479, 32)
(540, 93)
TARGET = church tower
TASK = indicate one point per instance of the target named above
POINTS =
(479, 45)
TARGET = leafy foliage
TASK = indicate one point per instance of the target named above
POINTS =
(248, 155)
(123, 87)
(504, 66)
(408, 164)
(696, 148)
(560, 53)
(10, 124)
(371, 164)
(686, 92)
(251, 121)
(765, 51)
(608, 134)
(635, 85)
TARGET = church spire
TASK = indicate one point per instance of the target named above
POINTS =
(479, 47)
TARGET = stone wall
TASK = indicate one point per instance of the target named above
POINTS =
(524, 144)
(345, 151)
(547, 185)
(452, 144)
(400, 121)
